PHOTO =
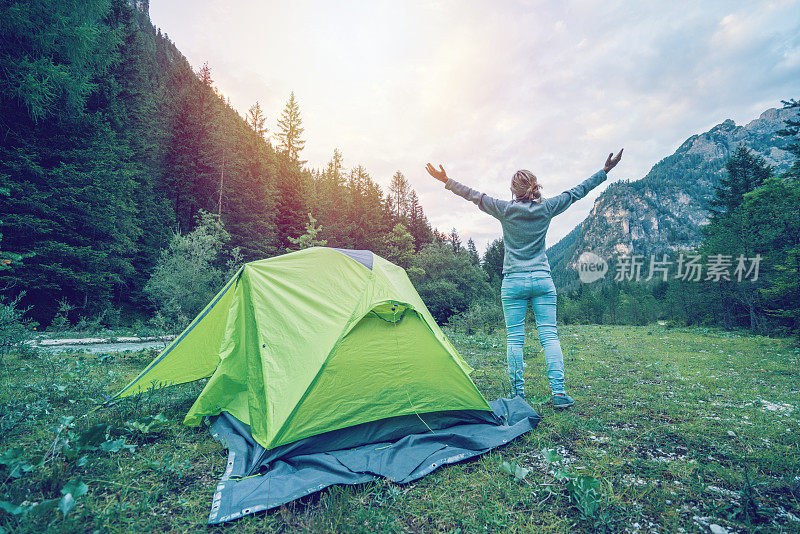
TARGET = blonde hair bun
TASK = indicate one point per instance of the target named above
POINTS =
(525, 186)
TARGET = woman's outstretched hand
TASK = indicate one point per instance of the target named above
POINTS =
(439, 175)
(612, 160)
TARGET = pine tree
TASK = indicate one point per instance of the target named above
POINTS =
(726, 233)
(193, 153)
(334, 171)
(455, 240)
(783, 295)
(473, 252)
(493, 261)
(417, 222)
(291, 129)
(376, 217)
(139, 119)
(256, 120)
(330, 200)
(440, 238)
(398, 193)
(293, 204)
(792, 129)
(292, 207)
(744, 172)
(772, 219)
(768, 222)
(355, 208)
(8, 260)
(309, 238)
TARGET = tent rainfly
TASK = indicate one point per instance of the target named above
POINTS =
(314, 341)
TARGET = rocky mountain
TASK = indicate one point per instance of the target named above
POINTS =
(664, 210)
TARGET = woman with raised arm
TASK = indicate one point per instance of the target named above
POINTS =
(526, 271)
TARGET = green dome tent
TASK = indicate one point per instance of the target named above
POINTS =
(314, 341)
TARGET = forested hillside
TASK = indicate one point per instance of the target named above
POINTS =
(111, 144)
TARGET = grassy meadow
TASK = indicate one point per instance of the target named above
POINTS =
(674, 430)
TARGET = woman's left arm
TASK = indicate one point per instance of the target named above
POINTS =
(490, 205)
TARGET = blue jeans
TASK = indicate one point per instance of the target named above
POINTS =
(538, 288)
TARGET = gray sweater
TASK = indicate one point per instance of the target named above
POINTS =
(525, 224)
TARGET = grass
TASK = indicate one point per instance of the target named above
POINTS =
(679, 428)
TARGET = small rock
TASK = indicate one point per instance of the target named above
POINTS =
(731, 433)
(716, 529)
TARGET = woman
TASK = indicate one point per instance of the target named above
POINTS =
(526, 271)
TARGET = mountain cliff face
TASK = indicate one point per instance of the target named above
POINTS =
(664, 210)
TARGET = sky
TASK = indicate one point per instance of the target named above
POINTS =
(489, 87)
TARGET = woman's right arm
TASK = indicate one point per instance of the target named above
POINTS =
(485, 203)
(558, 204)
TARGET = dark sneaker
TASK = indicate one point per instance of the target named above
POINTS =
(562, 400)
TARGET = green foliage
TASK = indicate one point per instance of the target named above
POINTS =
(754, 214)
(486, 316)
(368, 217)
(744, 172)
(493, 262)
(192, 269)
(61, 322)
(400, 246)
(15, 328)
(450, 282)
(49, 77)
(417, 222)
(783, 296)
(519, 473)
(308, 239)
(73, 448)
(147, 424)
(71, 188)
(15, 463)
(74, 490)
(8, 259)
(584, 493)
(770, 221)
(611, 302)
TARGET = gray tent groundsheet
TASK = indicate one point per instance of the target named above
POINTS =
(401, 449)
